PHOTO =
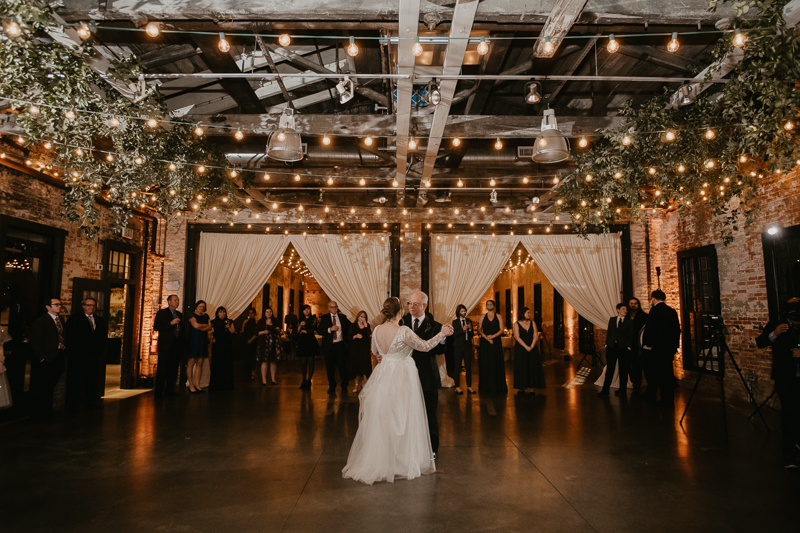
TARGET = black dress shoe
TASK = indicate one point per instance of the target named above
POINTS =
(471, 392)
(603, 394)
(460, 392)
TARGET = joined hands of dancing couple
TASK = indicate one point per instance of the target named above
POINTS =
(393, 439)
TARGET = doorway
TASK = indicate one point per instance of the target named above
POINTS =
(121, 278)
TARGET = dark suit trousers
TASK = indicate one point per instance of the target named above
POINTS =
(612, 356)
(462, 353)
(335, 358)
(635, 369)
(789, 394)
(44, 378)
(167, 371)
(249, 358)
(661, 376)
(82, 380)
(431, 404)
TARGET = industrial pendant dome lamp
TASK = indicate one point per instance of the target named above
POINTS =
(285, 144)
(551, 146)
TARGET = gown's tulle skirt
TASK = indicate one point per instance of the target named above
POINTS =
(392, 440)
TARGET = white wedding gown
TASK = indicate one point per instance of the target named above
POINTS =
(392, 440)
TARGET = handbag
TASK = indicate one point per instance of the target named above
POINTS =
(5, 391)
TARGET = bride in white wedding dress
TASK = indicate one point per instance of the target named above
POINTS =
(392, 440)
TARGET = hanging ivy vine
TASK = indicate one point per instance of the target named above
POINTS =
(714, 151)
(35, 67)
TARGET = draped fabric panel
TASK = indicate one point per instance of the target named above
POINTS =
(232, 268)
(353, 270)
(463, 268)
(587, 272)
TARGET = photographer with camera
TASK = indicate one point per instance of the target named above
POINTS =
(784, 337)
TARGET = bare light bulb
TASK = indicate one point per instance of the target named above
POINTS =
(673, 44)
(352, 48)
(739, 38)
(549, 48)
(456, 142)
(152, 29)
(483, 47)
(412, 144)
(498, 145)
(223, 45)
(284, 40)
(613, 44)
(368, 141)
(238, 135)
(326, 140)
(583, 143)
(417, 48)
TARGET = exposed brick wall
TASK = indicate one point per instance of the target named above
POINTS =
(742, 278)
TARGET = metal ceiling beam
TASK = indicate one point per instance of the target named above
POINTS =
(551, 98)
(407, 29)
(560, 21)
(463, 17)
(490, 64)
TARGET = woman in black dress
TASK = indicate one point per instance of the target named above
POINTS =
(491, 367)
(307, 345)
(528, 372)
(268, 331)
(359, 361)
(222, 352)
(198, 346)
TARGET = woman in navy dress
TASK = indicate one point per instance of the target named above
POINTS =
(528, 372)
(198, 346)
(359, 360)
(491, 366)
(222, 352)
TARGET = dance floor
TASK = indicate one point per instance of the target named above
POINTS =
(269, 459)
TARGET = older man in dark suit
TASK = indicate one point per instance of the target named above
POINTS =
(49, 345)
(86, 342)
(636, 319)
(333, 327)
(426, 328)
(661, 339)
(168, 325)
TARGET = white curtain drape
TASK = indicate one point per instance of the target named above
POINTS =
(353, 270)
(587, 272)
(232, 268)
(463, 267)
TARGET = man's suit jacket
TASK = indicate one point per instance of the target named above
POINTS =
(426, 361)
(662, 332)
(618, 334)
(325, 322)
(44, 337)
(784, 366)
(635, 325)
(461, 337)
(167, 339)
(81, 340)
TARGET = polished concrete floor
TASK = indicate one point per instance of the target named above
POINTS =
(269, 459)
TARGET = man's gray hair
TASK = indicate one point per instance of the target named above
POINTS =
(85, 300)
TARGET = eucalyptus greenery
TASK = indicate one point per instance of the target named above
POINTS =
(723, 143)
(96, 150)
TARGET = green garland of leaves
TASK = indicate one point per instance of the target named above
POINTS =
(34, 67)
(614, 181)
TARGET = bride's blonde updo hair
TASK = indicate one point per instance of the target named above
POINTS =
(391, 307)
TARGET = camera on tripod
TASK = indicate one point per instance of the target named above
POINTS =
(713, 329)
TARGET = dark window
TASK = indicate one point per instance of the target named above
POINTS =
(520, 298)
(301, 301)
(291, 300)
(265, 297)
(558, 320)
(508, 309)
(537, 305)
(279, 310)
(782, 266)
(585, 336)
(497, 303)
(700, 309)
(119, 264)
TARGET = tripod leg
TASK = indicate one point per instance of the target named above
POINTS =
(758, 408)
(694, 389)
(744, 382)
(724, 407)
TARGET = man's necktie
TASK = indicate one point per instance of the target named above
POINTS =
(91, 321)
(336, 333)
(416, 324)
(60, 329)
(464, 330)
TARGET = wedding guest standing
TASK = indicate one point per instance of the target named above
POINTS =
(491, 367)
(250, 345)
(268, 331)
(359, 360)
(528, 372)
(168, 325)
(307, 345)
(333, 328)
(462, 349)
(222, 352)
(660, 341)
(49, 355)
(86, 340)
(198, 346)
(616, 338)
(635, 319)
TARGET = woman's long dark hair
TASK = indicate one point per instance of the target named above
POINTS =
(522, 313)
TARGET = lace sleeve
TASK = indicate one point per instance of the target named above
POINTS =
(410, 339)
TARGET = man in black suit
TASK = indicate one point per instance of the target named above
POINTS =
(168, 325)
(48, 341)
(333, 327)
(462, 348)
(617, 343)
(661, 339)
(426, 328)
(636, 319)
(86, 342)
(784, 337)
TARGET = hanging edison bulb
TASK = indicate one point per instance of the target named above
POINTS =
(368, 141)
(613, 44)
(13, 30)
(238, 135)
(673, 44)
(583, 143)
(498, 145)
(456, 142)
(84, 32)
(352, 48)
(152, 29)
(739, 38)
(223, 45)
(412, 144)
(549, 48)
(709, 134)
(483, 47)
(326, 140)
(417, 48)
